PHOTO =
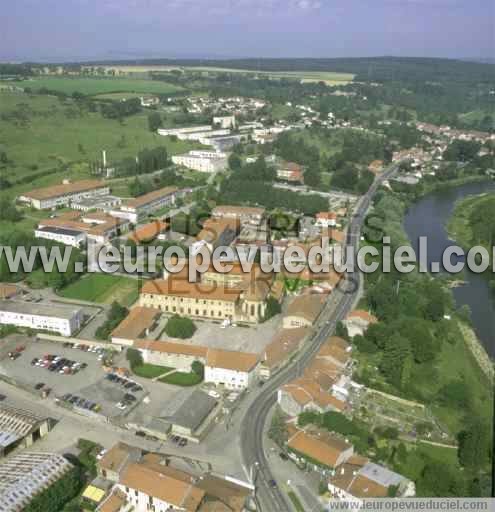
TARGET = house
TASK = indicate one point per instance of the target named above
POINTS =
(9, 291)
(283, 344)
(358, 321)
(61, 318)
(137, 324)
(157, 229)
(291, 172)
(63, 195)
(218, 233)
(358, 479)
(234, 370)
(152, 485)
(115, 459)
(336, 350)
(304, 394)
(376, 167)
(26, 474)
(20, 428)
(320, 449)
(303, 311)
(326, 219)
(224, 494)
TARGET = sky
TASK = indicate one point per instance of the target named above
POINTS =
(61, 30)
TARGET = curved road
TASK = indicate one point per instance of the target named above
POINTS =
(337, 307)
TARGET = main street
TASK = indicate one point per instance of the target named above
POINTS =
(269, 495)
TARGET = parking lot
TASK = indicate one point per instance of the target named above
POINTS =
(75, 377)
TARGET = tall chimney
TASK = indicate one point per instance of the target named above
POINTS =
(104, 153)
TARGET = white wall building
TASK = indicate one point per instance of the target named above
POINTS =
(202, 161)
(64, 194)
(224, 121)
(64, 236)
(59, 318)
(233, 370)
(137, 208)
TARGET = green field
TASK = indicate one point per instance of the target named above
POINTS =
(51, 140)
(93, 86)
(329, 77)
(103, 289)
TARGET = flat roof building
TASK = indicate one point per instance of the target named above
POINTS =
(139, 207)
(64, 194)
(60, 318)
(194, 416)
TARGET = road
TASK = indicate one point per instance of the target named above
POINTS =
(271, 497)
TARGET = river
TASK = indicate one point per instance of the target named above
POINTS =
(428, 217)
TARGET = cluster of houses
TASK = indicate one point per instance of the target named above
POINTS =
(230, 105)
(326, 385)
(130, 479)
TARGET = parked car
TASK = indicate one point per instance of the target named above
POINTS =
(39, 385)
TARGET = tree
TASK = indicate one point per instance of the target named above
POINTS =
(154, 121)
(134, 357)
(199, 369)
(474, 444)
(53, 498)
(272, 308)
(8, 211)
(397, 350)
(235, 163)
(180, 327)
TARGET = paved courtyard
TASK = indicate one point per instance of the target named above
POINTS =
(252, 339)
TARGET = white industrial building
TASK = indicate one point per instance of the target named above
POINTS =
(99, 203)
(63, 194)
(26, 474)
(60, 318)
(224, 121)
(64, 236)
(202, 161)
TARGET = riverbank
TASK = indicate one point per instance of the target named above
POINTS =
(459, 224)
(478, 351)
(444, 185)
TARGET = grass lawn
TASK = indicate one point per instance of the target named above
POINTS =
(104, 289)
(93, 86)
(182, 379)
(150, 371)
(50, 140)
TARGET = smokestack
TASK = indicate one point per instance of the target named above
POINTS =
(104, 153)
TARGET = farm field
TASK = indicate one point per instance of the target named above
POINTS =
(50, 140)
(103, 289)
(94, 86)
(329, 77)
